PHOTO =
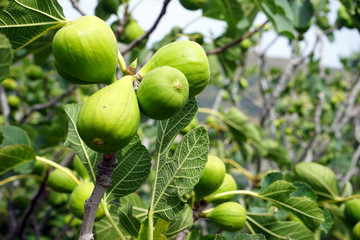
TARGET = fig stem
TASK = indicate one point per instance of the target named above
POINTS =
(122, 63)
(21, 176)
(103, 181)
(56, 165)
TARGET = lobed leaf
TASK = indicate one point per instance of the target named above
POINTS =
(276, 230)
(14, 135)
(15, 155)
(30, 19)
(128, 221)
(182, 223)
(178, 174)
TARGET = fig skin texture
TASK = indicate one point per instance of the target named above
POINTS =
(356, 231)
(212, 177)
(85, 51)
(110, 118)
(162, 92)
(59, 181)
(227, 185)
(229, 216)
(188, 57)
(352, 211)
(77, 200)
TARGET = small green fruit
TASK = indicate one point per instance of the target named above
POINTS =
(246, 43)
(211, 120)
(34, 72)
(13, 101)
(230, 216)
(60, 181)
(192, 4)
(75, 223)
(352, 211)
(227, 185)
(193, 124)
(188, 57)
(110, 6)
(356, 231)
(243, 83)
(80, 168)
(9, 84)
(77, 200)
(85, 51)
(162, 92)
(39, 168)
(109, 118)
(132, 31)
(58, 200)
(212, 177)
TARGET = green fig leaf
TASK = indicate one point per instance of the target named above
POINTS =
(2, 137)
(177, 174)
(6, 57)
(275, 230)
(182, 223)
(269, 179)
(246, 236)
(32, 18)
(140, 209)
(320, 178)
(128, 221)
(230, 11)
(133, 166)
(14, 135)
(303, 12)
(15, 155)
(307, 210)
(3, 5)
(160, 226)
(327, 225)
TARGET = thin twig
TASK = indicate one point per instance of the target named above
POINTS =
(103, 182)
(148, 33)
(237, 41)
(50, 103)
(77, 7)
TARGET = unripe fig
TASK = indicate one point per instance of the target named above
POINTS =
(85, 51)
(80, 168)
(60, 181)
(9, 84)
(58, 200)
(192, 4)
(162, 92)
(77, 200)
(227, 185)
(230, 216)
(193, 124)
(212, 177)
(132, 31)
(34, 72)
(39, 168)
(109, 118)
(188, 57)
(13, 101)
(352, 211)
(356, 232)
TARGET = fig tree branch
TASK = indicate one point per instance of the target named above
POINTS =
(237, 41)
(149, 32)
(103, 182)
(77, 7)
(38, 107)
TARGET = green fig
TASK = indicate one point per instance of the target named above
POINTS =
(193, 124)
(356, 231)
(192, 4)
(132, 31)
(85, 51)
(80, 168)
(188, 57)
(230, 216)
(58, 200)
(109, 118)
(13, 101)
(352, 211)
(60, 181)
(9, 84)
(212, 177)
(34, 72)
(162, 92)
(227, 185)
(77, 200)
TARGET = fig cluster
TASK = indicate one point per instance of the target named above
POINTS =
(212, 188)
(86, 52)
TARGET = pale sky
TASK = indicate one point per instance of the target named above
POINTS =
(146, 11)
